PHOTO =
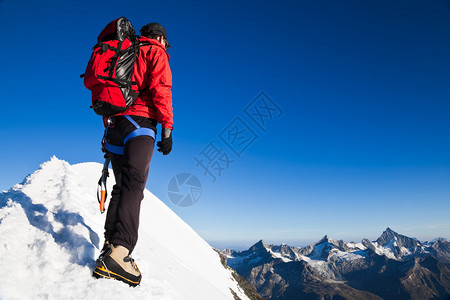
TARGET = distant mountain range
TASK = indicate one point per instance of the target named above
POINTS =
(392, 267)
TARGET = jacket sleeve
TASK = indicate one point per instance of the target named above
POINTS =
(160, 85)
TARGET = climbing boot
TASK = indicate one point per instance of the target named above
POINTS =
(117, 263)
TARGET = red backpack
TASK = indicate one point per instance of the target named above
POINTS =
(110, 69)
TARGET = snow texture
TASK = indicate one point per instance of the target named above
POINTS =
(51, 231)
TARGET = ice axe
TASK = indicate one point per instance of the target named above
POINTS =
(102, 193)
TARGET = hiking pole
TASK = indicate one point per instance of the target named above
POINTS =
(102, 193)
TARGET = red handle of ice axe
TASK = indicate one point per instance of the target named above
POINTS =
(102, 192)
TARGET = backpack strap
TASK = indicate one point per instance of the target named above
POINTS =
(119, 52)
(135, 133)
(119, 82)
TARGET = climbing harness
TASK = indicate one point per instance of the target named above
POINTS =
(137, 132)
(102, 192)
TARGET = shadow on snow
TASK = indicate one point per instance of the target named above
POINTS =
(80, 249)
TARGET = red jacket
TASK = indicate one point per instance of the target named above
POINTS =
(154, 78)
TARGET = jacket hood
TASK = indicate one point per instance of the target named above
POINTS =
(153, 41)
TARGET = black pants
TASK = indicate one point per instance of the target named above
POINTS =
(131, 172)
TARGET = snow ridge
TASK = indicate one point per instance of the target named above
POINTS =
(51, 232)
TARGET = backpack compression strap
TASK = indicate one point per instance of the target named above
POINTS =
(137, 132)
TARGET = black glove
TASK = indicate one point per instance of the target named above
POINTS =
(165, 145)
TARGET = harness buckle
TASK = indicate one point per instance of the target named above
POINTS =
(111, 122)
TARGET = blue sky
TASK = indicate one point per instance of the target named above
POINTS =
(361, 140)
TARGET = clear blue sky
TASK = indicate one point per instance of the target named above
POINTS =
(362, 142)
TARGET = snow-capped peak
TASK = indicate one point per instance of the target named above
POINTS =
(260, 245)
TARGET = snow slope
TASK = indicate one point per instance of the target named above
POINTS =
(51, 231)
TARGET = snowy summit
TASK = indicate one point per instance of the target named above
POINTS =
(51, 231)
